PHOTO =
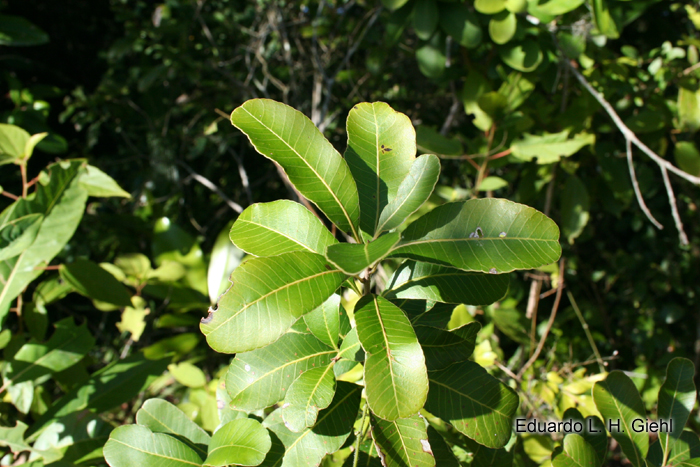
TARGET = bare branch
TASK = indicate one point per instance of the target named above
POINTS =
(637, 191)
(209, 184)
(674, 207)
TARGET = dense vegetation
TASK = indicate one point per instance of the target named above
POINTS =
(121, 178)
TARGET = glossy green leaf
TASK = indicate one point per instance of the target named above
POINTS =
(444, 457)
(99, 184)
(90, 280)
(403, 442)
(225, 257)
(426, 312)
(313, 165)
(502, 27)
(676, 400)
(425, 18)
(474, 402)
(687, 157)
(516, 6)
(489, 7)
(487, 235)
(395, 375)
(594, 432)
(324, 321)
(13, 139)
(16, 31)
(428, 140)
(617, 398)
(353, 258)
(687, 446)
(458, 21)
(160, 416)
(267, 296)
(132, 445)
(575, 204)
(308, 447)
(431, 57)
(351, 348)
(425, 281)
(270, 229)
(312, 391)
(18, 234)
(604, 20)
(381, 149)
(240, 442)
(576, 453)
(443, 348)
(559, 7)
(61, 201)
(107, 388)
(261, 378)
(68, 344)
(550, 147)
(414, 190)
(523, 56)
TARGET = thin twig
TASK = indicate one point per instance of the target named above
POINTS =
(23, 171)
(209, 184)
(637, 191)
(682, 237)
(9, 195)
(553, 315)
(589, 336)
(244, 176)
(360, 435)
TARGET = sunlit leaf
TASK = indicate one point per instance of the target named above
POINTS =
(313, 165)
(676, 400)
(160, 416)
(132, 445)
(312, 391)
(443, 348)
(240, 442)
(403, 442)
(550, 147)
(353, 258)
(324, 321)
(97, 183)
(576, 453)
(267, 296)
(92, 281)
(395, 374)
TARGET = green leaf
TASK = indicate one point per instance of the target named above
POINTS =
(425, 18)
(187, 375)
(459, 22)
(414, 190)
(489, 7)
(351, 348)
(559, 7)
(353, 258)
(403, 442)
(425, 281)
(61, 201)
(99, 184)
(475, 86)
(575, 204)
(487, 235)
(443, 348)
(395, 375)
(313, 165)
(68, 344)
(308, 447)
(267, 297)
(444, 456)
(689, 109)
(603, 20)
(324, 321)
(428, 140)
(22, 396)
(394, 4)
(179, 344)
(431, 57)
(687, 157)
(576, 453)
(13, 437)
(597, 439)
(261, 378)
(312, 391)
(109, 387)
(16, 31)
(18, 234)
(474, 402)
(240, 442)
(13, 139)
(492, 184)
(132, 445)
(381, 149)
(686, 447)
(502, 27)
(90, 280)
(617, 398)
(270, 229)
(676, 400)
(523, 56)
(160, 416)
(550, 147)
(225, 257)
(426, 312)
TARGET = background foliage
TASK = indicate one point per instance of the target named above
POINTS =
(142, 91)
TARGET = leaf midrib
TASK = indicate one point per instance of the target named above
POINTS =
(154, 453)
(468, 397)
(388, 356)
(279, 233)
(345, 213)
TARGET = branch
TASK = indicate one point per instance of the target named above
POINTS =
(637, 191)
(209, 184)
(631, 138)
